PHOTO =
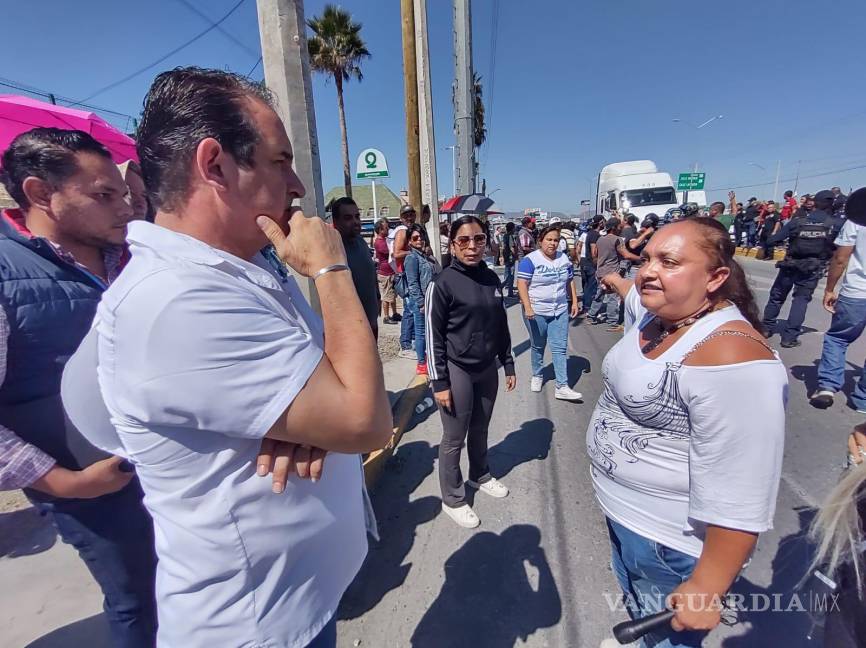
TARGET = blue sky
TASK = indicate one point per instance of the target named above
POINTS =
(577, 84)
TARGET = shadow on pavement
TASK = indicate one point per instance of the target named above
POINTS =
(24, 533)
(787, 625)
(91, 632)
(531, 441)
(576, 367)
(498, 589)
(521, 348)
(808, 375)
(398, 518)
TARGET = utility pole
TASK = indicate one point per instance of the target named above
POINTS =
(429, 180)
(286, 63)
(464, 104)
(453, 169)
(410, 92)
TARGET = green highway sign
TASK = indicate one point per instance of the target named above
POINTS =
(371, 164)
(691, 181)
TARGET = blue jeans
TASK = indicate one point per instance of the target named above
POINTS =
(847, 325)
(610, 302)
(547, 327)
(327, 638)
(648, 572)
(420, 338)
(407, 325)
(508, 279)
(114, 537)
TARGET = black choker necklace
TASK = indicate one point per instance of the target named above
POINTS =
(658, 339)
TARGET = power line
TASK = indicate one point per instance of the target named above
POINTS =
(253, 68)
(229, 35)
(802, 177)
(144, 69)
(61, 100)
(16, 85)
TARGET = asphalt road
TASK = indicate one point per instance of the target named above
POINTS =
(536, 573)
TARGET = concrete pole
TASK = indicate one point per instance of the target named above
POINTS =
(286, 63)
(410, 91)
(429, 180)
(464, 113)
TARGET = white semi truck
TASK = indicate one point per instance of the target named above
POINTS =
(636, 187)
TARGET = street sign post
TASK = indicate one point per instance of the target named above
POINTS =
(690, 182)
(371, 164)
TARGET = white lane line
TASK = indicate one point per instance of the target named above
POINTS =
(799, 491)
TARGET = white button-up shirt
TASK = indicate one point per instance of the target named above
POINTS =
(199, 352)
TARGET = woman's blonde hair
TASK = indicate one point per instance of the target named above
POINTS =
(837, 530)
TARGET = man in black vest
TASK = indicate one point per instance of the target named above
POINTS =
(58, 253)
(810, 247)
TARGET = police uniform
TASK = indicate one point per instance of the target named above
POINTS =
(810, 247)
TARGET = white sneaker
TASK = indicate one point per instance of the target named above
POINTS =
(492, 487)
(462, 515)
(536, 383)
(409, 354)
(567, 393)
(822, 399)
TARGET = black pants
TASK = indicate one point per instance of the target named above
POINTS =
(472, 398)
(589, 283)
(804, 284)
(739, 230)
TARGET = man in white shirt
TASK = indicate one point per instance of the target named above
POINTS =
(848, 308)
(203, 349)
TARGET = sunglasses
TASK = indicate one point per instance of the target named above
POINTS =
(416, 237)
(463, 241)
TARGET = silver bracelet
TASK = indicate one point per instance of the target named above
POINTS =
(331, 268)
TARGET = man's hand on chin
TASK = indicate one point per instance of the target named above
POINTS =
(281, 459)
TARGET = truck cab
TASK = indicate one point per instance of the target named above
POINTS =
(636, 188)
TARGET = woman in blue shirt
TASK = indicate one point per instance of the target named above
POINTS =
(420, 270)
(544, 279)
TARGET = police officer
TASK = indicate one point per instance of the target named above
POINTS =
(810, 247)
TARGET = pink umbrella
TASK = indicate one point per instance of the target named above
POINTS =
(19, 114)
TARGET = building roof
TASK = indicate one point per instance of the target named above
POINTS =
(6, 201)
(363, 196)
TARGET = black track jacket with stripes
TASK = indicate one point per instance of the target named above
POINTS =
(466, 322)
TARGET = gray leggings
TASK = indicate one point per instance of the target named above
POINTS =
(472, 398)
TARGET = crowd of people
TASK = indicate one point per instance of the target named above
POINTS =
(194, 428)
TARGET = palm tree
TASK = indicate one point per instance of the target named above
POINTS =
(337, 50)
(480, 133)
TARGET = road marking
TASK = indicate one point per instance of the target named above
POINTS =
(799, 491)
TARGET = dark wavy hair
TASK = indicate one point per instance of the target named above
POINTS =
(716, 242)
(460, 222)
(183, 107)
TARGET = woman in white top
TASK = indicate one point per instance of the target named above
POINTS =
(544, 279)
(685, 471)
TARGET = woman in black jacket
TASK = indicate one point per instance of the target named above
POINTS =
(467, 332)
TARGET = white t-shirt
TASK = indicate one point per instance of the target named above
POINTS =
(199, 352)
(548, 281)
(671, 446)
(854, 281)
